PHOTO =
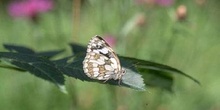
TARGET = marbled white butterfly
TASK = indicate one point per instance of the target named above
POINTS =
(101, 62)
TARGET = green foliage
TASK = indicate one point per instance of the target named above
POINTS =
(191, 45)
(39, 65)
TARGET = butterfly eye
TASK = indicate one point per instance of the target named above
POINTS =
(123, 71)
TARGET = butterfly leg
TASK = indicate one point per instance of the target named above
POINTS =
(106, 80)
(119, 82)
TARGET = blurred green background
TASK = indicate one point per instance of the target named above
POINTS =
(180, 33)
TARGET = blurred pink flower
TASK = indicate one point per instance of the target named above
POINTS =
(164, 2)
(155, 2)
(144, 2)
(111, 40)
(29, 8)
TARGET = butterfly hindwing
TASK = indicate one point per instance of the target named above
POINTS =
(101, 62)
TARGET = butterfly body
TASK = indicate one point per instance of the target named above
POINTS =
(101, 62)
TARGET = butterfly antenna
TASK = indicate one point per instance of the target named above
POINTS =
(133, 65)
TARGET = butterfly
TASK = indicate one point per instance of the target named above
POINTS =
(101, 62)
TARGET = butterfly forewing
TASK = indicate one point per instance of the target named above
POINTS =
(101, 62)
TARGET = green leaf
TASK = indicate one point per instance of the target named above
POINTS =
(138, 72)
(155, 78)
(77, 48)
(151, 78)
(49, 54)
(142, 65)
(131, 79)
(154, 74)
(75, 69)
(25, 50)
(12, 68)
(19, 49)
(39, 66)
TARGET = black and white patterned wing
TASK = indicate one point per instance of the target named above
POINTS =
(101, 62)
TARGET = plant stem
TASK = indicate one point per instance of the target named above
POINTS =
(76, 18)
